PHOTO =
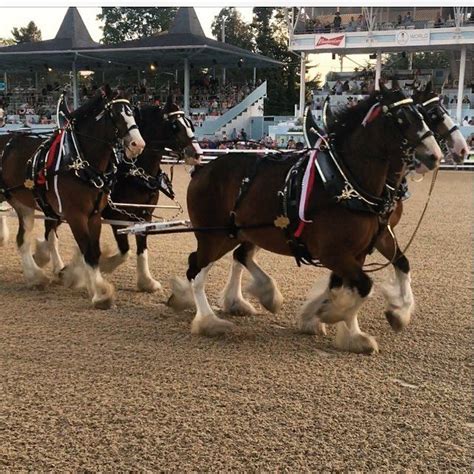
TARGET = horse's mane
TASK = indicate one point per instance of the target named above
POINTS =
(149, 118)
(348, 119)
(88, 108)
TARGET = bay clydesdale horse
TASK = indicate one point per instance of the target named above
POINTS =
(337, 236)
(75, 187)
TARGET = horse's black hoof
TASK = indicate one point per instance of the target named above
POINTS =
(394, 321)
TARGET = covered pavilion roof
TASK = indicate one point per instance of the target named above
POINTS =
(184, 40)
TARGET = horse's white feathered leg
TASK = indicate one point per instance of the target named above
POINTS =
(206, 323)
(4, 232)
(145, 282)
(233, 301)
(400, 300)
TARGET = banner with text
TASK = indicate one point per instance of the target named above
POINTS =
(412, 37)
(330, 40)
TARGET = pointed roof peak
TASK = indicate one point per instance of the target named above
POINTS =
(74, 29)
(186, 22)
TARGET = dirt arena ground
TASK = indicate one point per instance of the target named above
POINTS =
(131, 389)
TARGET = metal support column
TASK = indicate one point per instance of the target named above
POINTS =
(223, 40)
(186, 86)
(378, 70)
(254, 76)
(462, 72)
(302, 84)
(5, 80)
(75, 91)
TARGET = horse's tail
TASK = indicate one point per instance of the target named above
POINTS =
(4, 232)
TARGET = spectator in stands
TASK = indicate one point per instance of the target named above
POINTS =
(317, 26)
(268, 141)
(353, 86)
(439, 22)
(352, 25)
(282, 143)
(337, 21)
(291, 144)
(466, 100)
(3, 117)
(243, 135)
(317, 104)
(407, 20)
(338, 87)
(465, 121)
(399, 21)
(233, 134)
(361, 25)
(299, 145)
(454, 100)
(471, 122)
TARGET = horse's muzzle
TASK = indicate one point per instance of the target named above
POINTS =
(426, 163)
(134, 143)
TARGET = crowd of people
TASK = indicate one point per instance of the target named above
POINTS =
(359, 23)
(315, 25)
(240, 141)
(207, 99)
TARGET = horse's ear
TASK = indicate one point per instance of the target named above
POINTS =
(327, 116)
(136, 114)
(382, 87)
(429, 87)
(395, 85)
(311, 131)
(169, 102)
(106, 92)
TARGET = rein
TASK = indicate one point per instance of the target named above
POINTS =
(380, 266)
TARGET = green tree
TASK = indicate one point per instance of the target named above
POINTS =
(237, 32)
(421, 60)
(128, 23)
(7, 42)
(27, 34)
(271, 39)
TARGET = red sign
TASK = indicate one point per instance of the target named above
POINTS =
(323, 41)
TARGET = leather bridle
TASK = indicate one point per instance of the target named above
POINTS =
(434, 113)
(128, 111)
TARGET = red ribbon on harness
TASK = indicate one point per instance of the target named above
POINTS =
(50, 159)
(312, 173)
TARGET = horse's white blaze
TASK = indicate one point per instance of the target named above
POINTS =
(145, 281)
(197, 148)
(430, 144)
(133, 140)
(4, 232)
(456, 140)
(189, 131)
